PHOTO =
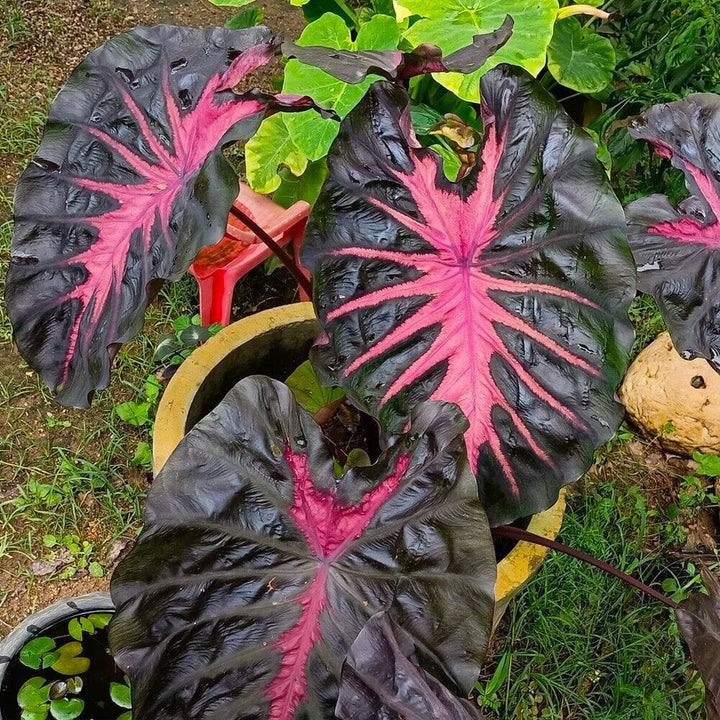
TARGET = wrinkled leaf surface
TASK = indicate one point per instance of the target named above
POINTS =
(257, 568)
(381, 678)
(505, 293)
(128, 184)
(677, 250)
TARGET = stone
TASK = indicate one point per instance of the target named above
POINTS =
(673, 400)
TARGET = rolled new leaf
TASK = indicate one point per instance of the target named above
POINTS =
(677, 249)
(257, 567)
(354, 67)
(505, 293)
(128, 184)
(382, 678)
(698, 618)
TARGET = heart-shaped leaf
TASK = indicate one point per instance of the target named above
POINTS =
(579, 58)
(128, 184)
(676, 249)
(506, 293)
(70, 660)
(257, 567)
(66, 708)
(381, 678)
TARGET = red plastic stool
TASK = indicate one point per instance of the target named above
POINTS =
(218, 268)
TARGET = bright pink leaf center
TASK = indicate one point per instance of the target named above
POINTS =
(687, 230)
(461, 304)
(329, 529)
(145, 209)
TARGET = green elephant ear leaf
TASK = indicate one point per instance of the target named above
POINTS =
(270, 148)
(309, 391)
(250, 17)
(293, 141)
(306, 187)
(579, 58)
(453, 24)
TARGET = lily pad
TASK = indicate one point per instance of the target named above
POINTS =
(66, 708)
(120, 695)
(33, 652)
(71, 662)
(33, 695)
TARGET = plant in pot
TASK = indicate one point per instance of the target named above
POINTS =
(56, 664)
(481, 322)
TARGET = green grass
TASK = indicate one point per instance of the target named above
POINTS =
(580, 644)
(647, 321)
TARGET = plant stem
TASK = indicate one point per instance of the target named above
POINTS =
(582, 10)
(345, 8)
(285, 258)
(508, 531)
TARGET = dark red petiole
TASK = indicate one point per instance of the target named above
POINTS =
(508, 531)
(285, 258)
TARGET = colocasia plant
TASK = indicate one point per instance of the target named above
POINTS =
(482, 322)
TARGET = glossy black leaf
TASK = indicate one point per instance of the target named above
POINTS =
(128, 184)
(257, 567)
(698, 618)
(382, 680)
(677, 250)
(506, 293)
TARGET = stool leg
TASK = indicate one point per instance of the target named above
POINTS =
(206, 287)
(215, 299)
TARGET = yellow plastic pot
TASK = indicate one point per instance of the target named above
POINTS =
(274, 342)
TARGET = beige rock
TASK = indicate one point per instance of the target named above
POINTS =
(675, 400)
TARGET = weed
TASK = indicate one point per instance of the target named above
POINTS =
(647, 321)
(187, 334)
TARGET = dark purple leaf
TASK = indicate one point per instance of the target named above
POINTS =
(382, 679)
(257, 567)
(677, 249)
(505, 293)
(698, 618)
(128, 183)
(354, 67)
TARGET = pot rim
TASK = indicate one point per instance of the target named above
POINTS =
(34, 624)
(513, 571)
